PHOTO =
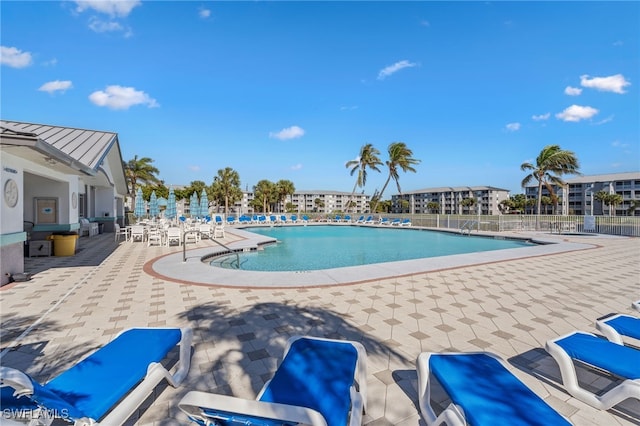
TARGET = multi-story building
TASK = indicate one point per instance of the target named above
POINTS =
(320, 201)
(577, 197)
(450, 200)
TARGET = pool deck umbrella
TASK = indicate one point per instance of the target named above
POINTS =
(194, 207)
(154, 209)
(139, 210)
(204, 204)
(172, 211)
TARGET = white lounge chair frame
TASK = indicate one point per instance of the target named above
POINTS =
(193, 402)
(609, 332)
(156, 372)
(625, 390)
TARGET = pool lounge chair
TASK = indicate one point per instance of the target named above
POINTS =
(385, 221)
(369, 219)
(360, 219)
(395, 222)
(591, 351)
(319, 382)
(109, 385)
(614, 327)
(405, 222)
(482, 392)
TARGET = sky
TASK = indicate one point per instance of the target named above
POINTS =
(293, 90)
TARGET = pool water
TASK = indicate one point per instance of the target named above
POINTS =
(308, 248)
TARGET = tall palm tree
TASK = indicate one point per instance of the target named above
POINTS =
(551, 161)
(285, 188)
(140, 170)
(399, 157)
(264, 190)
(226, 187)
(368, 158)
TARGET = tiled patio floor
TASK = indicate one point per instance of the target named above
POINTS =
(74, 305)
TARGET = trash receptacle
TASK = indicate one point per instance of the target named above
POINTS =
(100, 228)
(64, 243)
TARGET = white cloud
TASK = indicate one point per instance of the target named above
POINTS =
(572, 91)
(614, 83)
(113, 8)
(288, 133)
(577, 113)
(100, 26)
(513, 127)
(118, 97)
(348, 107)
(392, 69)
(56, 86)
(204, 13)
(604, 120)
(296, 167)
(618, 144)
(15, 58)
(194, 168)
(541, 117)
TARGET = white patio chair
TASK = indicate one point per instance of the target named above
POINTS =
(121, 232)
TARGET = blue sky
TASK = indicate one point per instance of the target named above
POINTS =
(292, 90)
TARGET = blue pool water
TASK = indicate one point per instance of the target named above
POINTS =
(308, 248)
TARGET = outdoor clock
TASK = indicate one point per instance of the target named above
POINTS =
(74, 200)
(11, 192)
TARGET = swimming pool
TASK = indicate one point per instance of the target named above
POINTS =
(311, 248)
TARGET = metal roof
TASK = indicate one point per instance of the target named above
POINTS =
(66, 149)
(88, 147)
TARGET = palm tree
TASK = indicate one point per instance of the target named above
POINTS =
(611, 200)
(226, 187)
(368, 158)
(139, 170)
(433, 206)
(264, 190)
(468, 203)
(284, 189)
(633, 205)
(399, 157)
(551, 161)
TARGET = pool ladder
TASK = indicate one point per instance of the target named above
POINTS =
(468, 225)
(192, 231)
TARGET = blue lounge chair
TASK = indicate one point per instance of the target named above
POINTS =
(369, 219)
(347, 218)
(384, 221)
(294, 218)
(231, 220)
(111, 383)
(482, 392)
(360, 219)
(305, 218)
(319, 382)
(591, 351)
(395, 222)
(405, 222)
(614, 327)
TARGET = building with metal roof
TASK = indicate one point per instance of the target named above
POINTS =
(52, 178)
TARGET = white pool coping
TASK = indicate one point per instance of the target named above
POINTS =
(194, 271)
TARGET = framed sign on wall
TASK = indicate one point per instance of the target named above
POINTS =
(46, 211)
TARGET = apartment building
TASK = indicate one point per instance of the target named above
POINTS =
(318, 201)
(451, 200)
(578, 196)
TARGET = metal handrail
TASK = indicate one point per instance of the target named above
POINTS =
(184, 246)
